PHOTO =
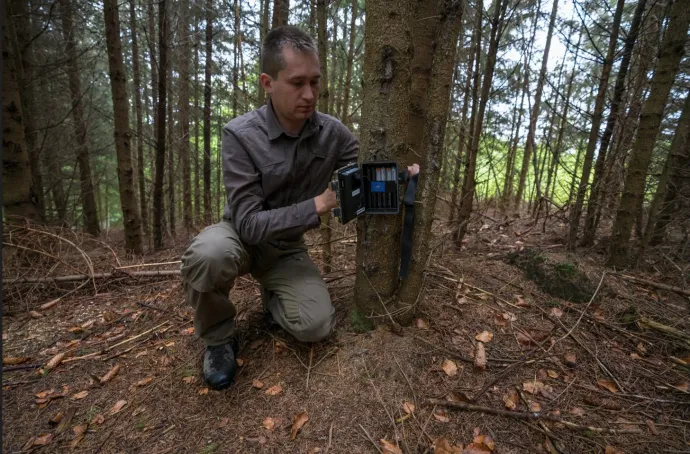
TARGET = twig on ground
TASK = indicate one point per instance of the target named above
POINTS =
(107, 349)
(21, 367)
(414, 395)
(81, 277)
(311, 359)
(330, 439)
(370, 439)
(594, 295)
(141, 265)
(658, 285)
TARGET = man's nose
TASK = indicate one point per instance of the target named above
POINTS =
(308, 93)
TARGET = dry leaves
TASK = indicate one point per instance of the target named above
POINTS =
(65, 421)
(556, 312)
(98, 419)
(80, 395)
(534, 406)
(552, 373)
(13, 361)
(118, 406)
(607, 384)
(480, 356)
(652, 427)
(441, 417)
(203, 391)
(389, 448)
(272, 423)
(522, 301)
(240, 361)
(189, 380)
(612, 450)
(55, 361)
(484, 336)
(144, 381)
(79, 434)
(43, 440)
(511, 399)
(111, 374)
(258, 384)
(274, 390)
(570, 359)
(420, 323)
(408, 407)
(523, 339)
(682, 387)
(298, 421)
(188, 331)
(35, 314)
(450, 368)
(577, 411)
(443, 446)
(481, 444)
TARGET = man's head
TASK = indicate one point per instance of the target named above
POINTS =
(290, 73)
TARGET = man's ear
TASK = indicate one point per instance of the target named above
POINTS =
(266, 82)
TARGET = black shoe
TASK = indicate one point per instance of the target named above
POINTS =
(219, 365)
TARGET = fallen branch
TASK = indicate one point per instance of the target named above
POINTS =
(645, 322)
(81, 277)
(659, 285)
(528, 416)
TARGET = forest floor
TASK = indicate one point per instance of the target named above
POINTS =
(561, 377)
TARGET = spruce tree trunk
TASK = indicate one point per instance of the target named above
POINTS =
(325, 228)
(530, 141)
(672, 49)
(151, 16)
(594, 197)
(264, 31)
(125, 171)
(334, 68)
(383, 136)
(281, 12)
(160, 126)
(344, 115)
(170, 187)
(208, 211)
(89, 208)
(17, 197)
(599, 104)
(514, 138)
(341, 73)
(183, 102)
(197, 121)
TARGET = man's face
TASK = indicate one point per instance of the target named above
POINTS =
(295, 91)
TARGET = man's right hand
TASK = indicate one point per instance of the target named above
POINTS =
(325, 202)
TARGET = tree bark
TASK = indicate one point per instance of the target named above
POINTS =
(208, 215)
(170, 187)
(338, 64)
(160, 126)
(321, 10)
(90, 210)
(125, 171)
(264, 32)
(18, 199)
(185, 153)
(672, 49)
(281, 13)
(599, 104)
(529, 143)
(594, 197)
(384, 128)
(197, 121)
(344, 116)
(154, 64)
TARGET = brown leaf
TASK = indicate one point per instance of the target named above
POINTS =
(612, 450)
(258, 384)
(476, 448)
(556, 312)
(203, 391)
(641, 348)
(57, 418)
(43, 440)
(521, 301)
(55, 361)
(272, 423)
(118, 406)
(570, 359)
(458, 396)
(484, 336)
(80, 429)
(683, 387)
(240, 361)
(111, 374)
(98, 419)
(532, 386)
(485, 440)
(80, 395)
(13, 361)
(45, 394)
(607, 384)
(280, 346)
(510, 399)
(534, 406)
(76, 440)
(635, 356)
(274, 390)
(75, 329)
(440, 417)
(389, 448)
(299, 420)
(420, 323)
(188, 331)
(450, 368)
(552, 373)
(65, 421)
(523, 339)
(480, 356)
(577, 411)
(144, 381)
(189, 380)
(408, 407)
(35, 314)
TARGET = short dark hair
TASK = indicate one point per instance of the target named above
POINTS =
(272, 52)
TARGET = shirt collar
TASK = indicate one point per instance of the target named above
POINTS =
(275, 129)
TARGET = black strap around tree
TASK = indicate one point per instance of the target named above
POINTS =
(408, 225)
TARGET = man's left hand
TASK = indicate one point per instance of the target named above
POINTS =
(413, 170)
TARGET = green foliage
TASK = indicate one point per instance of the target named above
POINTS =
(360, 322)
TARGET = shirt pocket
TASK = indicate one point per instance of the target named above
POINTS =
(273, 176)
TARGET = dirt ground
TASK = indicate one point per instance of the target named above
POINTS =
(560, 377)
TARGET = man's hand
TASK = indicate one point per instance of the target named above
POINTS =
(325, 201)
(413, 170)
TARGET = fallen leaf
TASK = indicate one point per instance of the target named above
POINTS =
(203, 391)
(57, 418)
(75, 329)
(485, 440)
(274, 390)
(556, 312)
(258, 384)
(43, 440)
(65, 421)
(141, 353)
(552, 373)
(80, 395)
(570, 359)
(298, 421)
(188, 331)
(484, 336)
(641, 348)
(521, 302)
(272, 423)
(577, 411)
(443, 446)
(44, 394)
(440, 417)
(408, 407)
(98, 419)
(87, 325)
(534, 406)
(144, 381)
(420, 323)
(256, 344)
(523, 339)
(240, 361)
(607, 384)
(476, 448)
(510, 399)
(118, 406)
(76, 440)
(35, 314)
(480, 356)
(189, 380)
(455, 396)
(111, 374)
(80, 429)
(612, 450)
(635, 356)
(280, 346)
(55, 361)
(389, 448)
(683, 387)
(138, 411)
(13, 361)
(450, 368)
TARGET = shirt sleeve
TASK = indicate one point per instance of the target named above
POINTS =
(350, 148)
(253, 223)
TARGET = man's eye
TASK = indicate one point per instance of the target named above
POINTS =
(314, 83)
(297, 84)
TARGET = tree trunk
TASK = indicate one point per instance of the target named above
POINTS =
(207, 113)
(469, 183)
(197, 122)
(172, 62)
(281, 12)
(344, 116)
(672, 49)
(325, 228)
(514, 138)
(18, 199)
(680, 149)
(264, 32)
(334, 64)
(235, 68)
(384, 128)
(529, 143)
(238, 32)
(154, 64)
(160, 126)
(90, 210)
(125, 172)
(619, 89)
(185, 153)
(439, 76)
(339, 68)
(599, 104)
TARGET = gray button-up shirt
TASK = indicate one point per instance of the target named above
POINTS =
(271, 177)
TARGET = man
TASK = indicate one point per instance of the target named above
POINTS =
(277, 161)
